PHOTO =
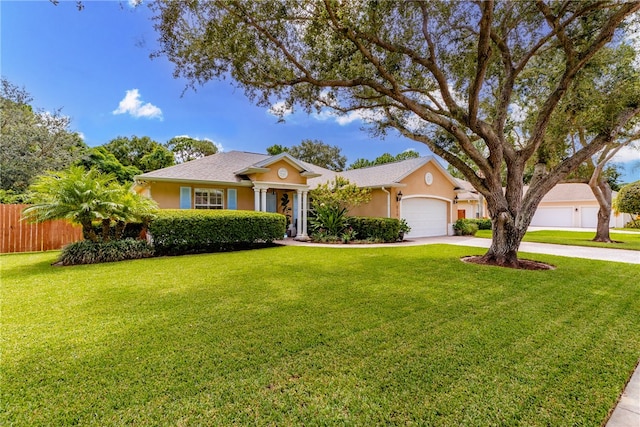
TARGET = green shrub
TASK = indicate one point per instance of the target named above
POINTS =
(88, 252)
(132, 230)
(176, 232)
(375, 229)
(482, 223)
(465, 227)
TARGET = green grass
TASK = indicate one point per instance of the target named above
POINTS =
(315, 336)
(577, 238)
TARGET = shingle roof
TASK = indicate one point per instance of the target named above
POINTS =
(219, 167)
(222, 167)
(568, 192)
(383, 175)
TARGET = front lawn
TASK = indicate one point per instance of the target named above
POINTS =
(315, 336)
(577, 238)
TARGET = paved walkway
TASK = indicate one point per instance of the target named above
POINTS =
(627, 410)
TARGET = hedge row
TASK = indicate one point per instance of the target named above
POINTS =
(176, 232)
(377, 229)
(88, 252)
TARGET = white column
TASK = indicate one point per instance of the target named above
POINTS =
(256, 193)
(263, 199)
(299, 213)
(304, 213)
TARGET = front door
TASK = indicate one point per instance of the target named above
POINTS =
(462, 214)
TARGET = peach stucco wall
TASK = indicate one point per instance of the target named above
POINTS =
(167, 194)
(377, 207)
(293, 177)
(440, 187)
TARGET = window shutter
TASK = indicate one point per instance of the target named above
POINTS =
(185, 197)
(232, 199)
(294, 214)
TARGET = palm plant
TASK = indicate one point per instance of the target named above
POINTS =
(134, 208)
(78, 196)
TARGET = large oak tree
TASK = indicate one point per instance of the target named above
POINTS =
(424, 68)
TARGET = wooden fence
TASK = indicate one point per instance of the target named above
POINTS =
(22, 236)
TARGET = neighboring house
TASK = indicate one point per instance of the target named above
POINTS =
(419, 190)
(569, 205)
(469, 203)
(572, 205)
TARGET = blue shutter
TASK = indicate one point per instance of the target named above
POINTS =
(185, 197)
(232, 199)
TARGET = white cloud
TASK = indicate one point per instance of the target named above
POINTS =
(628, 154)
(280, 109)
(350, 117)
(132, 104)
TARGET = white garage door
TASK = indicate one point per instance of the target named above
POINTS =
(426, 217)
(589, 217)
(553, 217)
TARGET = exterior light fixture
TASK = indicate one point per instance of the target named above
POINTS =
(455, 200)
(399, 196)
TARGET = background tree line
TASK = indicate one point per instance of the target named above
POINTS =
(34, 141)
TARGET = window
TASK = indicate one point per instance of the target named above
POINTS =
(208, 198)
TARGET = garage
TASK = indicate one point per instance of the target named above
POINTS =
(426, 217)
(553, 217)
(589, 217)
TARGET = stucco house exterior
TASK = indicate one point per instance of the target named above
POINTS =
(567, 205)
(419, 190)
(572, 205)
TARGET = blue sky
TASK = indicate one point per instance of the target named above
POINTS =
(96, 66)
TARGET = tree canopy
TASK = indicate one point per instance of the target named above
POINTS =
(102, 160)
(424, 68)
(315, 152)
(140, 152)
(32, 140)
(384, 158)
(628, 199)
(185, 148)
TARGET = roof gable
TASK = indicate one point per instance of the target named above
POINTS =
(391, 174)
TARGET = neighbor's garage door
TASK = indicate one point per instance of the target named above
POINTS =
(553, 217)
(426, 217)
(589, 217)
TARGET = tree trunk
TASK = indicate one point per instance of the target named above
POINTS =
(120, 226)
(602, 232)
(106, 229)
(602, 191)
(506, 241)
(88, 233)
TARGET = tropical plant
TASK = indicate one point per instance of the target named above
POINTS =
(331, 203)
(76, 195)
(84, 197)
(329, 217)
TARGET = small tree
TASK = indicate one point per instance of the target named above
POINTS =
(84, 197)
(628, 201)
(332, 201)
